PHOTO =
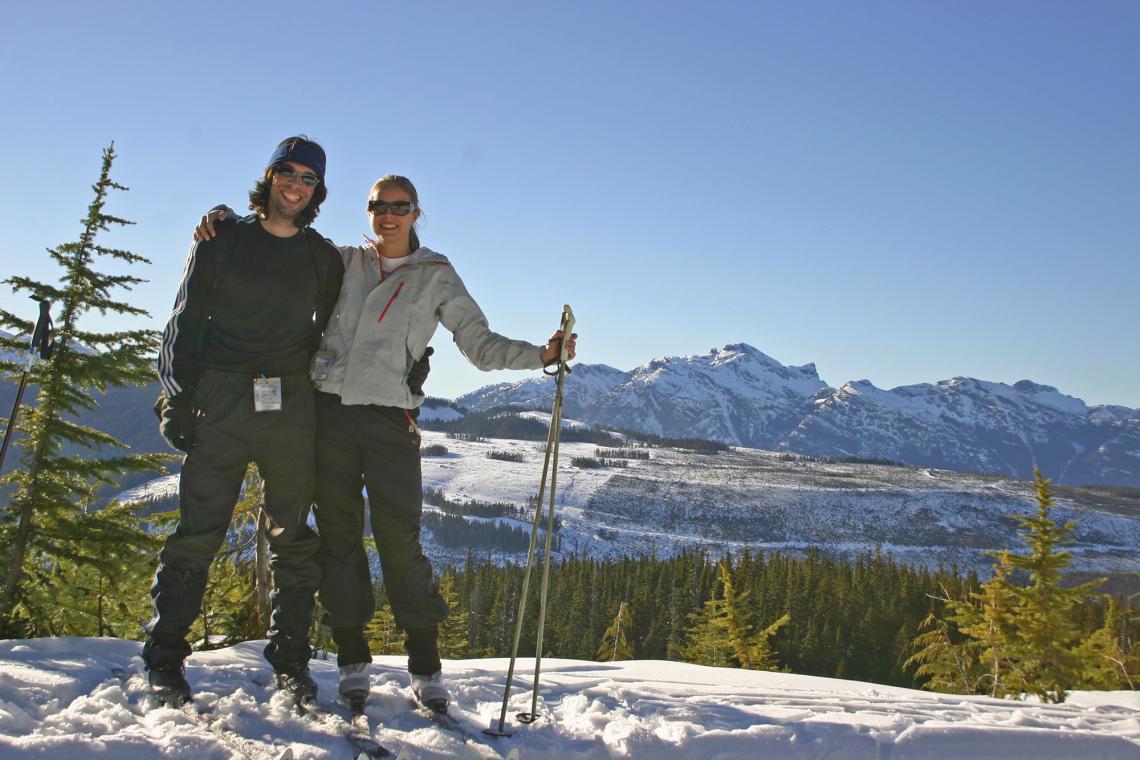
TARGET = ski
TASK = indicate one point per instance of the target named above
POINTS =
(243, 747)
(357, 731)
(247, 748)
(472, 742)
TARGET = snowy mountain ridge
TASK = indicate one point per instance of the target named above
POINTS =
(739, 395)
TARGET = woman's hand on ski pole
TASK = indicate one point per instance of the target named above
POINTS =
(552, 351)
(205, 228)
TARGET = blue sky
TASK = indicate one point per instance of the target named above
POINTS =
(896, 191)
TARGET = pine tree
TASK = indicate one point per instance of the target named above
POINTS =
(720, 635)
(1107, 656)
(453, 636)
(948, 666)
(761, 656)
(52, 516)
(1018, 639)
(83, 600)
(236, 604)
(383, 635)
(615, 641)
(989, 619)
(1046, 646)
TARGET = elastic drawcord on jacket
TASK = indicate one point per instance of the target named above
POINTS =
(412, 427)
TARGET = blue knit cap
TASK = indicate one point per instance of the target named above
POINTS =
(302, 152)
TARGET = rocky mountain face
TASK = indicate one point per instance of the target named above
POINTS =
(741, 396)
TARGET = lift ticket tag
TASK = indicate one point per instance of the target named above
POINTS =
(322, 363)
(266, 394)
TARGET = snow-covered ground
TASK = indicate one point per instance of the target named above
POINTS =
(466, 472)
(59, 699)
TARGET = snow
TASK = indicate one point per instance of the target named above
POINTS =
(165, 487)
(466, 473)
(544, 418)
(439, 413)
(59, 699)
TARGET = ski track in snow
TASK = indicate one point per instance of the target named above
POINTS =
(59, 699)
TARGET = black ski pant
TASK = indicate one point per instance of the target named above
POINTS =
(229, 435)
(376, 448)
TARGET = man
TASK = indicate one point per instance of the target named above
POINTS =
(234, 369)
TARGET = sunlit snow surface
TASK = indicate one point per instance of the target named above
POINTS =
(59, 699)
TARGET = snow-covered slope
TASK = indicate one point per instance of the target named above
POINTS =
(741, 396)
(678, 499)
(58, 699)
(439, 409)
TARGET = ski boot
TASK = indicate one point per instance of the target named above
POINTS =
(168, 685)
(298, 684)
(431, 692)
(354, 687)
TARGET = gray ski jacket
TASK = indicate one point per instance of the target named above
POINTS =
(382, 324)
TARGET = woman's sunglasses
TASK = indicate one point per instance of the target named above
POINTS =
(399, 208)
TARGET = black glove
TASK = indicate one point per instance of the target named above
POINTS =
(419, 372)
(176, 419)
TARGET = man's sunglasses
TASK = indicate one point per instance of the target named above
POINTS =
(308, 180)
(399, 208)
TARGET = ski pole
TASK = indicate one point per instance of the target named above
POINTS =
(552, 438)
(41, 338)
(556, 425)
(12, 418)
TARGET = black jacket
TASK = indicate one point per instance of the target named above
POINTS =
(251, 303)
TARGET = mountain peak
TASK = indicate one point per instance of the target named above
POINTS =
(739, 395)
(1028, 386)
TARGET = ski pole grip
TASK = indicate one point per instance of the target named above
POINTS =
(567, 328)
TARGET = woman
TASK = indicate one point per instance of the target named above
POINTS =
(394, 295)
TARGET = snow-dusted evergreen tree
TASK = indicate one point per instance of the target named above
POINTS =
(615, 640)
(53, 526)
